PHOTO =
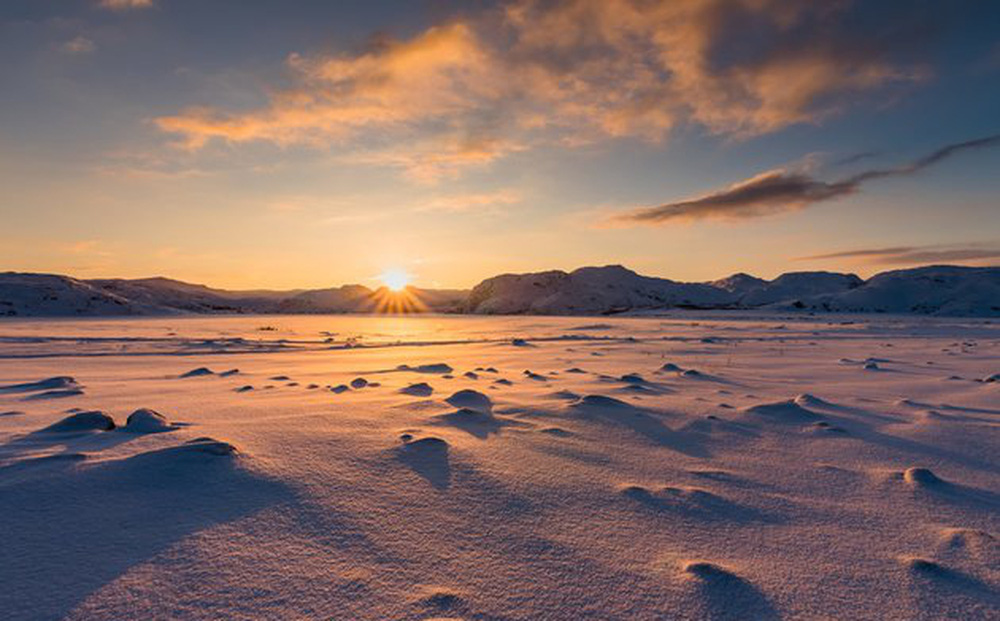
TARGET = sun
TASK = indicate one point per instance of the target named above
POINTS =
(395, 279)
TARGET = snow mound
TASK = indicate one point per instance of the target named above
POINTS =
(436, 368)
(978, 544)
(807, 400)
(601, 401)
(208, 446)
(199, 372)
(54, 394)
(567, 395)
(692, 502)
(471, 399)
(83, 421)
(922, 478)
(421, 389)
(145, 420)
(52, 383)
(722, 594)
(428, 458)
(788, 411)
(474, 422)
(192, 452)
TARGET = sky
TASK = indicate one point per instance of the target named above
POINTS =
(269, 144)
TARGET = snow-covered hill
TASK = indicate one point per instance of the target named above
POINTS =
(940, 290)
(59, 296)
(797, 286)
(340, 299)
(739, 283)
(46, 295)
(588, 290)
(933, 290)
(937, 290)
(167, 295)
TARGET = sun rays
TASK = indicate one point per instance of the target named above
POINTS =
(387, 300)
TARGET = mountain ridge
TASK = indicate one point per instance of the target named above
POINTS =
(600, 290)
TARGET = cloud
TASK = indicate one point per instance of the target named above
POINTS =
(855, 158)
(444, 157)
(476, 201)
(783, 190)
(149, 165)
(913, 255)
(928, 160)
(573, 72)
(769, 192)
(439, 74)
(739, 67)
(79, 45)
(91, 247)
(125, 5)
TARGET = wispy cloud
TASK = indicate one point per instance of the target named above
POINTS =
(149, 165)
(79, 45)
(87, 246)
(125, 5)
(785, 190)
(445, 157)
(572, 72)
(855, 158)
(913, 255)
(479, 201)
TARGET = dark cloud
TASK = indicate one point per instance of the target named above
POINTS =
(928, 160)
(868, 252)
(855, 158)
(912, 255)
(769, 192)
(782, 190)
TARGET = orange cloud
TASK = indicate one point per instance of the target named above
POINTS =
(442, 157)
(739, 67)
(441, 73)
(466, 93)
